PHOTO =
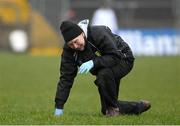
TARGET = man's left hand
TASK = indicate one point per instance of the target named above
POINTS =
(86, 67)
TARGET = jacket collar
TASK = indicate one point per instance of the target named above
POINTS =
(84, 26)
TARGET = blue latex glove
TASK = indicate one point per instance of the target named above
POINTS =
(86, 67)
(58, 112)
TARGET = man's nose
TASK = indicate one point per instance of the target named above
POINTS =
(75, 46)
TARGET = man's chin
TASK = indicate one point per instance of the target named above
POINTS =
(81, 49)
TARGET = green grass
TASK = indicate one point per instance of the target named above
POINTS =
(28, 85)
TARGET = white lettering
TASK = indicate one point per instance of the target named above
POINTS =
(151, 44)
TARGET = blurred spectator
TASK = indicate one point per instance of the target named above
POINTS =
(105, 15)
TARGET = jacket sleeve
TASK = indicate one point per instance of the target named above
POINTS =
(68, 71)
(105, 42)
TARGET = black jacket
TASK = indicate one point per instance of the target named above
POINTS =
(102, 46)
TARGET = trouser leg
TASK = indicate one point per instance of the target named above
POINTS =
(103, 101)
(128, 107)
(108, 81)
(117, 87)
(121, 70)
(107, 89)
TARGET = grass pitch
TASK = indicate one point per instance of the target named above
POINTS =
(28, 85)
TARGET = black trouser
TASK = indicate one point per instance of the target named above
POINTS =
(108, 81)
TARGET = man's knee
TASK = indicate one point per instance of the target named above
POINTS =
(103, 75)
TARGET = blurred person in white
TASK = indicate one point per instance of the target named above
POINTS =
(105, 15)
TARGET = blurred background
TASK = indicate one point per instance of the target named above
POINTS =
(31, 44)
(32, 26)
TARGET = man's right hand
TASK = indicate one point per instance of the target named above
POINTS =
(58, 112)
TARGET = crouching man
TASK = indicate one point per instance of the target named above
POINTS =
(97, 50)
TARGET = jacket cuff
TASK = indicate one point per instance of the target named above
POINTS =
(59, 105)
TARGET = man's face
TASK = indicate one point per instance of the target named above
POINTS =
(77, 43)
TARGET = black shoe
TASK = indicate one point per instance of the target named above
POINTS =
(143, 106)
